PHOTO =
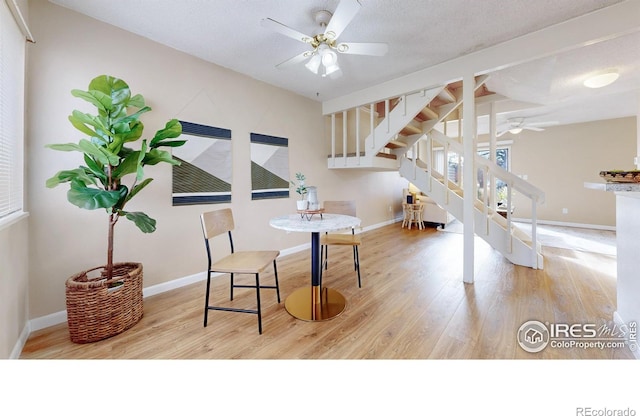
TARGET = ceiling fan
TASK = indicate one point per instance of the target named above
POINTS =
(516, 125)
(322, 57)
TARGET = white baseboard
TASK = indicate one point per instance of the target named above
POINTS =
(22, 340)
(567, 224)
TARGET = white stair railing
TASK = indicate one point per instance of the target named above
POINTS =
(437, 169)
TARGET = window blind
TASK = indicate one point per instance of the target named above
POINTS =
(12, 67)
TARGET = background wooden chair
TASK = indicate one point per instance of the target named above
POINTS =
(413, 214)
(417, 214)
(335, 239)
(407, 214)
(218, 222)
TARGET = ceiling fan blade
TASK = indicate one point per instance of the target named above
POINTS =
(375, 49)
(533, 128)
(345, 12)
(542, 123)
(285, 30)
(502, 133)
(295, 60)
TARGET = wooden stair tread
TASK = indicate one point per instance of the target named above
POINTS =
(429, 114)
(387, 155)
(395, 144)
(410, 129)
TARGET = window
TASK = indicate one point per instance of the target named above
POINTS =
(12, 68)
(502, 160)
(454, 162)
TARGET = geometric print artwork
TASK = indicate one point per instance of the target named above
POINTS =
(204, 175)
(269, 167)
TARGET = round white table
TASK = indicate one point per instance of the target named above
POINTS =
(315, 303)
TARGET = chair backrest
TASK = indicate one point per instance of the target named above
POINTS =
(340, 207)
(216, 222)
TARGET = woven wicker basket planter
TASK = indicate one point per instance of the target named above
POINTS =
(96, 309)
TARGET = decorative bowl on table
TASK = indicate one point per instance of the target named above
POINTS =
(621, 176)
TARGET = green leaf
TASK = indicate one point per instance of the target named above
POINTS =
(90, 198)
(78, 117)
(171, 130)
(81, 126)
(145, 223)
(100, 139)
(63, 176)
(133, 133)
(132, 117)
(138, 188)
(140, 171)
(127, 166)
(101, 154)
(64, 147)
(124, 194)
(96, 168)
(137, 101)
(115, 88)
(99, 99)
(155, 156)
(170, 143)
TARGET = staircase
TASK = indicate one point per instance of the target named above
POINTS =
(401, 135)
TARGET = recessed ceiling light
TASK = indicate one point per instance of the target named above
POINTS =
(601, 79)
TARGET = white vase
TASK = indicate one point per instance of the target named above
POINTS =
(312, 197)
(302, 204)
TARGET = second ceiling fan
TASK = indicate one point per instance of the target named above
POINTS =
(322, 57)
(516, 125)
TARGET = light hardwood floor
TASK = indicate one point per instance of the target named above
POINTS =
(412, 305)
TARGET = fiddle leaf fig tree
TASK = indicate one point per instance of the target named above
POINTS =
(113, 172)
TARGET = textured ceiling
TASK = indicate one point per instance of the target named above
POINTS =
(420, 34)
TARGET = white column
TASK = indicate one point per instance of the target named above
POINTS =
(492, 153)
(637, 160)
(468, 136)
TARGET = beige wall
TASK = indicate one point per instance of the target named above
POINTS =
(562, 158)
(13, 285)
(71, 49)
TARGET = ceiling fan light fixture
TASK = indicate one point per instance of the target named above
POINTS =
(329, 58)
(314, 63)
(601, 79)
(330, 70)
(516, 130)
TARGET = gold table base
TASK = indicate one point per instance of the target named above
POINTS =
(310, 304)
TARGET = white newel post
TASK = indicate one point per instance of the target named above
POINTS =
(468, 112)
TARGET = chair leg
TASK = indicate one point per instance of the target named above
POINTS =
(356, 259)
(231, 284)
(258, 302)
(275, 271)
(326, 256)
(206, 298)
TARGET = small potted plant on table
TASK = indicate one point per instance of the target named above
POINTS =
(301, 189)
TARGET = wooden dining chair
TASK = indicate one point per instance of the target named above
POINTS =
(417, 216)
(407, 214)
(219, 222)
(337, 239)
